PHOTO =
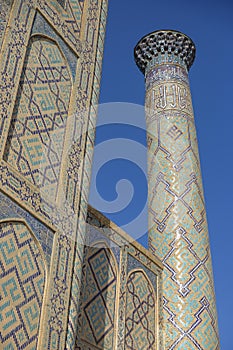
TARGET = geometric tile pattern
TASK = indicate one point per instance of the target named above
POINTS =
(36, 136)
(58, 296)
(5, 7)
(140, 313)
(44, 235)
(73, 14)
(61, 2)
(76, 25)
(99, 298)
(42, 27)
(135, 264)
(68, 15)
(22, 274)
(97, 17)
(178, 228)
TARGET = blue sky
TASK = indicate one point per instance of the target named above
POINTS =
(210, 25)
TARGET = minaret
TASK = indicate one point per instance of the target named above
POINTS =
(178, 232)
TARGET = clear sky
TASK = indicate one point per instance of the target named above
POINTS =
(210, 25)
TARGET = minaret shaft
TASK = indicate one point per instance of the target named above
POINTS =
(178, 232)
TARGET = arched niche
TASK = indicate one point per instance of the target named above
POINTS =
(23, 278)
(99, 297)
(140, 317)
(36, 136)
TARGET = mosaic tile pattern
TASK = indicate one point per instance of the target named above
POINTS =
(74, 28)
(138, 293)
(74, 10)
(99, 298)
(140, 322)
(5, 7)
(70, 11)
(36, 136)
(94, 12)
(43, 28)
(61, 2)
(22, 276)
(133, 264)
(177, 219)
(20, 29)
(58, 294)
(44, 235)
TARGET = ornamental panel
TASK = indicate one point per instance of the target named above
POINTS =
(99, 298)
(140, 324)
(22, 274)
(36, 136)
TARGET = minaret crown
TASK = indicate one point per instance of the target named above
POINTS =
(164, 42)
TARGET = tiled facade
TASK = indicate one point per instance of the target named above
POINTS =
(121, 299)
(51, 53)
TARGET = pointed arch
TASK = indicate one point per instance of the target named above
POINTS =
(23, 279)
(99, 297)
(140, 317)
(37, 132)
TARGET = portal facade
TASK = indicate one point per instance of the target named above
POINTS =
(51, 54)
